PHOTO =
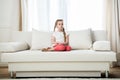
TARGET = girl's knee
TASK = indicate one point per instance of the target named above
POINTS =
(68, 48)
(59, 48)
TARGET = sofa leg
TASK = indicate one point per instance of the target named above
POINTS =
(106, 74)
(13, 74)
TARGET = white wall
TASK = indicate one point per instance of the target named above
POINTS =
(9, 18)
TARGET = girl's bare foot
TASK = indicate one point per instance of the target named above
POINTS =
(44, 49)
(47, 49)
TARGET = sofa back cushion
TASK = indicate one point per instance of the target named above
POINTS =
(99, 35)
(77, 39)
(101, 46)
(21, 36)
(13, 47)
(40, 39)
(80, 39)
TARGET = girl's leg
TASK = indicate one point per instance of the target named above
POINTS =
(59, 47)
(68, 48)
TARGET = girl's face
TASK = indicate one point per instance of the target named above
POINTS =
(60, 25)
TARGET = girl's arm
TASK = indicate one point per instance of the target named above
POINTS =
(67, 40)
(53, 40)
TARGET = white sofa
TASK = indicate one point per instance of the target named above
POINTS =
(91, 53)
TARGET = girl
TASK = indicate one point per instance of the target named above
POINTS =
(60, 39)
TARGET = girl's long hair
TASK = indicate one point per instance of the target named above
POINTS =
(64, 33)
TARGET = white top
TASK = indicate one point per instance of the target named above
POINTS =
(59, 36)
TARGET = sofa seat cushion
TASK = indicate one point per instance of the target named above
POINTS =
(74, 55)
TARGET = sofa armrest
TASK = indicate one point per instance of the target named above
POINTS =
(102, 46)
(13, 46)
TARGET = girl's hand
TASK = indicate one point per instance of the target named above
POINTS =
(64, 43)
(57, 43)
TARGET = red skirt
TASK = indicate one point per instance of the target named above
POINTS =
(62, 47)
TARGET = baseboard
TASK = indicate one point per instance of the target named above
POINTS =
(3, 64)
